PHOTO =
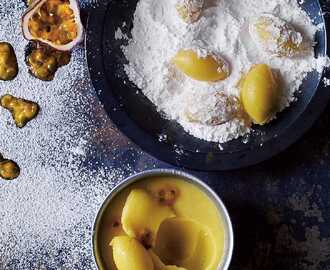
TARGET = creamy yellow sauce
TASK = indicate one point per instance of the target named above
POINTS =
(191, 203)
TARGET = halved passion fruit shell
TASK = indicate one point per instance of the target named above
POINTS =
(56, 23)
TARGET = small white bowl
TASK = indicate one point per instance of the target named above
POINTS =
(229, 236)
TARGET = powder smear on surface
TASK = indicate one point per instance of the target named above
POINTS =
(46, 215)
(158, 33)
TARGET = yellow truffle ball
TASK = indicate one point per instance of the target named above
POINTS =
(209, 68)
(260, 94)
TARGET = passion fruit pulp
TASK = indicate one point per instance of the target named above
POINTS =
(44, 61)
(22, 110)
(56, 23)
(8, 62)
(9, 170)
(29, 2)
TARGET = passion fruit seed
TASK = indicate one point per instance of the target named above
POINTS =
(29, 2)
(22, 110)
(190, 10)
(45, 61)
(116, 224)
(276, 36)
(145, 238)
(9, 170)
(167, 196)
(54, 22)
(8, 62)
(62, 57)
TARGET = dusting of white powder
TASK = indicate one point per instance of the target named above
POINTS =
(326, 82)
(158, 33)
(120, 35)
(46, 215)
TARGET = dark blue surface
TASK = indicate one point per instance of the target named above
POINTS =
(138, 119)
(280, 208)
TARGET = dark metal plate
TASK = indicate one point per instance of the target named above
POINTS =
(138, 119)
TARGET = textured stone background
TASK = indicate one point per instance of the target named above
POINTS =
(279, 208)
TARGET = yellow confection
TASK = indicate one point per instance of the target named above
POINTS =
(209, 68)
(260, 94)
(276, 36)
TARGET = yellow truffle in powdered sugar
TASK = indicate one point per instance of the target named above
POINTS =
(190, 10)
(260, 93)
(276, 36)
(207, 68)
(211, 109)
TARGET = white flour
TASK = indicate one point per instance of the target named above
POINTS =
(159, 33)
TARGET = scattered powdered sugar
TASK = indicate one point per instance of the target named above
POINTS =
(326, 81)
(158, 33)
(120, 35)
(46, 215)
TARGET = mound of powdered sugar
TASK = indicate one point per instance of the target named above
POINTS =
(158, 33)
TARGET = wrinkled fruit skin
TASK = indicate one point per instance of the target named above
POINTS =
(260, 94)
(9, 170)
(190, 10)
(22, 110)
(208, 69)
(128, 253)
(276, 36)
(8, 62)
(44, 61)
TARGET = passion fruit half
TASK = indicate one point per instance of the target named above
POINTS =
(56, 23)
